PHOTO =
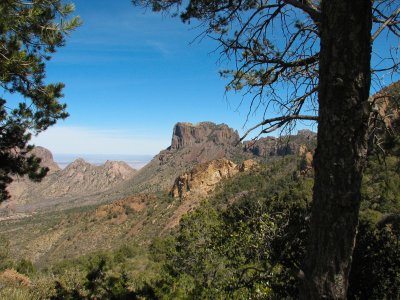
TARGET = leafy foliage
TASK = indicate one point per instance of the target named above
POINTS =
(253, 247)
(238, 245)
(29, 33)
(376, 264)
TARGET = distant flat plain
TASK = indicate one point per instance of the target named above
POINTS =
(135, 161)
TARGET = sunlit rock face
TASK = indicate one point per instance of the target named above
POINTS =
(203, 178)
(187, 134)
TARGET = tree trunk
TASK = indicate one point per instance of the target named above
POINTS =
(344, 82)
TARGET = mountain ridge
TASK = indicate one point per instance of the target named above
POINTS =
(81, 183)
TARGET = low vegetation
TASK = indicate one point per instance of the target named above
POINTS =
(245, 242)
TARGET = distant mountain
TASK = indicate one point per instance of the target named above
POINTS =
(191, 144)
(82, 184)
(283, 145)
(78, 180)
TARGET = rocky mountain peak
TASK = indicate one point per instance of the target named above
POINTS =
(79, 179)
(78, 163)
(188, 134)
(117, 169)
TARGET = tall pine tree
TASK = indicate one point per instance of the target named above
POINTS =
(319, 53)
(30, 32)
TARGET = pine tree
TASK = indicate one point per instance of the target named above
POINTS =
(319, 53)
(30, 32)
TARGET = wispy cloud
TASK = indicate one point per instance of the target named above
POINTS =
(63, 139)
(159, 47)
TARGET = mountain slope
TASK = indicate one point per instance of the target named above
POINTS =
(83, 184)
(191, 144)
(77, 184)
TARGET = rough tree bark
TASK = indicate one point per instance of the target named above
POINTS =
(344, 85)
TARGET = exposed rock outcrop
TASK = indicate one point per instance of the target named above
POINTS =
(203, 178)
(10, 277)
(188, 134)
(194, 186)
(386, 107)
(248, 165)
(191, 144)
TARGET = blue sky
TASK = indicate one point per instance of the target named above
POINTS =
(130, 75)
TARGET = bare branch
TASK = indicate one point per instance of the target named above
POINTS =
(278, 122)
(386, 23)
(307, 7)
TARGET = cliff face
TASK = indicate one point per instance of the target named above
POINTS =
(187, 134)
(191, 144)
(197, 184)
(203, 178)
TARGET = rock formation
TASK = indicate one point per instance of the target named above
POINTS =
(194, 186)
(78, 180)
(203, 178)
(284, 145)
(191, 144)
(187, 134)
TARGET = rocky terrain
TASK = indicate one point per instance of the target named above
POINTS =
(280, 146)
(84, 207)
(81, 183)
(79, 179)
(191, 144)
(21, 184)
(70, 233)
(192, 187)
(203, 178)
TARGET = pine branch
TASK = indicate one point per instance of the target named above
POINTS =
(275, 123)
